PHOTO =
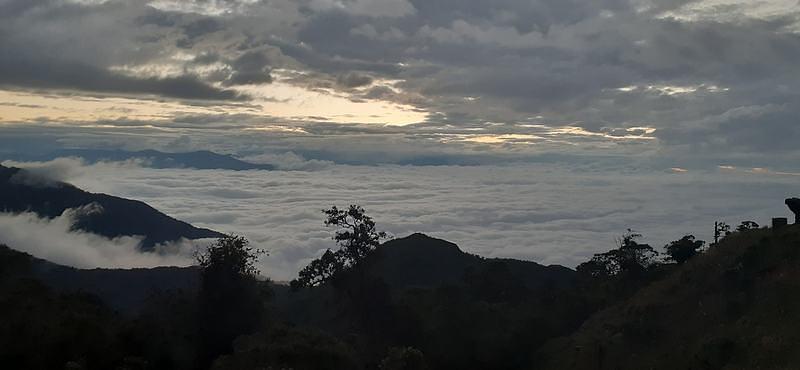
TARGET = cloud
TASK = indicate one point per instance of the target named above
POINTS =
(371, 8)
(599, 66)
(584, 98)
(250, 68)
(547, 212)
(289, 161)
(55, 241)
(63, 169)
(27, 73)
(351, 80)
(46, 174)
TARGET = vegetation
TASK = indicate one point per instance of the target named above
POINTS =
(682, 250)
(733, 307)
(356, 239)
(231, 300)
(420, 303)
(630, 258)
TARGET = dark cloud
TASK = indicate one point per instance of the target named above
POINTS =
(250, 68)
(352, 79)
(41, 74)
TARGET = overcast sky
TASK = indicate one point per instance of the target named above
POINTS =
(713, 79)
(621, 87)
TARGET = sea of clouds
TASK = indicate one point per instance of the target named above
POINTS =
(549, 213)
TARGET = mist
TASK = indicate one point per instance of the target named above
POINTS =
(55, 241)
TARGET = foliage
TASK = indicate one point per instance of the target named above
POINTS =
(289, 348)
(356, 238)
(230, 255)
(733, 307)
(747, 225)
(231, 299)
(729, 308)
(630, 257)
(683, 249)
(721, 230)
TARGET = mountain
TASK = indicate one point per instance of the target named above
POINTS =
(461, 310)
(422, 261)
(737, 306)
(201, 160)
(124, 290)
(102, 214)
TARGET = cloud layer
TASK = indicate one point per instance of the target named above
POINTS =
(546, 213)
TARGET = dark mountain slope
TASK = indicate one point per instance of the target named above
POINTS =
(21, 191)
(122, 290)
(463, 311)
(421, 261)
(735, 307)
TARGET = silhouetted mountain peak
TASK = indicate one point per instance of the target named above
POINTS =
(421, 243)
(421, 260)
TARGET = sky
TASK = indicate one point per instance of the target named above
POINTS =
(635, 95)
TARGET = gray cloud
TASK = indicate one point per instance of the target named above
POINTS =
(516, 62)
(351, 80)
(250, 68)
(69, 76)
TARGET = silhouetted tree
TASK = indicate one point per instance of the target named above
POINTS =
(682, 250)
(356, 238)
(602, 265)
(630, 257)
(231, 299)
(721, 230)
(747, 225)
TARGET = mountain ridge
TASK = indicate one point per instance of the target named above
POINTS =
(733, 307)
(199, 159)
(21, 191)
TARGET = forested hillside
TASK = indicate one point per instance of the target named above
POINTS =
(416, 303)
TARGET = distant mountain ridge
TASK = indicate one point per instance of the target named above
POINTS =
(21, 191)
(201, 160)
(125, 290)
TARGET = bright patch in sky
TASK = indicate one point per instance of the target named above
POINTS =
(733, 10)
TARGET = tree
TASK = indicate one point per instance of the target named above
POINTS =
(721, 230)
(682, 250)
(747, 225)
(629, 257)
(231, 298)
(230, 256)
(356, 238)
